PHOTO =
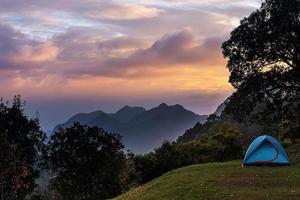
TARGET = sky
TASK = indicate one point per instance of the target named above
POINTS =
(69, 56)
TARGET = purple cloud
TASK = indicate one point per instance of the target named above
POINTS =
(174, 48)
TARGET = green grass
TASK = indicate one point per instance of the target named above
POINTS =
(226, 180)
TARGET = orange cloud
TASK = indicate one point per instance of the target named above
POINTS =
(155, 82)
(170, 51)
(47, 51)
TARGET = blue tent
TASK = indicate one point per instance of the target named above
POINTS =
(265, 150)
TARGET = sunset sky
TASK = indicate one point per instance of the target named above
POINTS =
(70, 56)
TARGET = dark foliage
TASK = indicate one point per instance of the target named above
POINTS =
(21, 142)
(264, 63)
(87, 163)
(267, 40)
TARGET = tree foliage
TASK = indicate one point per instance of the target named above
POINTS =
(264, 63)
(21, 141)
(87, 163)
(266, 41)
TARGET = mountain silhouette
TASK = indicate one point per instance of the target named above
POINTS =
(126, 113)
(142, 130)
(221, 107)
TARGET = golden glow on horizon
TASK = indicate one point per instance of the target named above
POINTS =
(162, 81)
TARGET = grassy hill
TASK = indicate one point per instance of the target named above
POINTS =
(226, 180)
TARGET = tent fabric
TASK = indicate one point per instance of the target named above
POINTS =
(265, 150)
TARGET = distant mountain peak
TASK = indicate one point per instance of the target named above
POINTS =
(126, 113)
(163, 105)
(125, 108)
(128, 108)
(179, 106)
(221, 107)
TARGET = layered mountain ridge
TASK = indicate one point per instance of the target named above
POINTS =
(142, 130)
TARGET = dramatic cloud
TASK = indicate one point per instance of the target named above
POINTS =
(123, 57)
(172, 49)
(23, 55)
(97, 54)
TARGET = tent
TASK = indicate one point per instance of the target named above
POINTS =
(265, 150)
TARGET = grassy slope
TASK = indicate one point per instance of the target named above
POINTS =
(224, 181)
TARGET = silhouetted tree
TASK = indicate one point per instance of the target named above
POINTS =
(87, 163)
(21, 142)
(146, 167)
(264, 63)
(269, 39)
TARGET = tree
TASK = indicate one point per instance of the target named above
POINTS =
(146, 167)
(227, 142)
(21, 142)
(264, 63)
(269, 39)
(87, 163)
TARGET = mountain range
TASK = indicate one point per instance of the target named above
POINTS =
(142, 130)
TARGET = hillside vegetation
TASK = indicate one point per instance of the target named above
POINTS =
(226, 180)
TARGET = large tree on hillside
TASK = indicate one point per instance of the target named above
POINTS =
(21, 140)
(87, 163)
(264, 63)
